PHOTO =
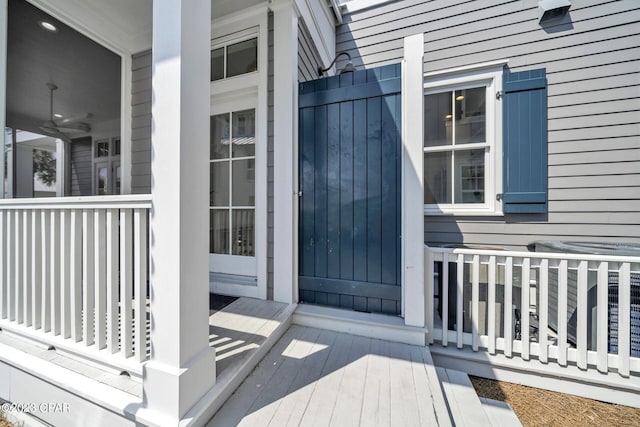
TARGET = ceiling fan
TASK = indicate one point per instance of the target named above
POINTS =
(69, 123)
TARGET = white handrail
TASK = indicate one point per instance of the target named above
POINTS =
(79, 202)
(535, 255)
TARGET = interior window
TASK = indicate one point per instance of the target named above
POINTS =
(234, 59)
(232, 183)
(455, 145)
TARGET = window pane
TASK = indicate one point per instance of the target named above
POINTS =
(116, 147)
(242, 57)
(437, 178)
(470, 115)
(118, 179)
(219, 231)
(102, 181)
(217, 64)
(437, 119)
(219, 141)
(244, 133)
(243, 232)
(102, 149)
(244, 182)
(219, 184)
(469, 166)
(44, 173)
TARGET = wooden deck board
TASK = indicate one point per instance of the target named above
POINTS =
(404, 403)
(233, 411)
(376, 409)
(316, 377)
(294, 404)
(323, 399)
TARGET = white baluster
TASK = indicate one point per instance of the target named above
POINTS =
(624, 319)
(126, 278)
(475, 301)
(524, 314)
(459, 305)
(54, 270)
(508, 307)
(100, 278)
(36, 270)
(75, 268)
(603, 317)
(140, 269)
(543, 313)
(112, 280)
(491, 302)
(581, 324)
(88, 278)
(562, 313)
(445, 299)
(65, 273)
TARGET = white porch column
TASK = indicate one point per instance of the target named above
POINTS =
(3, 86)
(412, 185)
(182, 365)
(285, 118)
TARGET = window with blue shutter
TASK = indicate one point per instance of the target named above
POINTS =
(524, 142)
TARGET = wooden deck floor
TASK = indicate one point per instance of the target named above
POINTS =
(314, 377)
(240, 328)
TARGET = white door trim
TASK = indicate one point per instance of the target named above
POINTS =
(413, 292)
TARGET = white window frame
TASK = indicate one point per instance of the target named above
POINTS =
(227, 263)
(113, 161)
(488, 75)
(231, 39)
(242, 92)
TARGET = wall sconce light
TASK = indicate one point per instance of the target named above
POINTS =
(349, 68)
(551, 10)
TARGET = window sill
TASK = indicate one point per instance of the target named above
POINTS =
(429, 211)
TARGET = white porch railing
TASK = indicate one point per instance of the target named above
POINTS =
(73, 275)
(563, 309)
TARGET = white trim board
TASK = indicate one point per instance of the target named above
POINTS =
(379, 326)
(31, 379)
(244, 92)
(570, 379)
(412, 265)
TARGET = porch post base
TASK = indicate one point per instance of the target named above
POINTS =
(171, 391)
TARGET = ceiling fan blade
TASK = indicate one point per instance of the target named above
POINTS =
(70, 118)
(84, 127)
(55, 133)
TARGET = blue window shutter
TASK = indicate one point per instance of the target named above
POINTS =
(525, 142)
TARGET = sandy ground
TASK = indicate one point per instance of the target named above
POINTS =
(536, 407)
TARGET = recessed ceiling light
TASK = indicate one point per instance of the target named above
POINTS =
(57, 115)
(459, 97)
(48, 26)
(448, 117)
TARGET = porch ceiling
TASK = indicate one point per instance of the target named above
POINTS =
(87, 74)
